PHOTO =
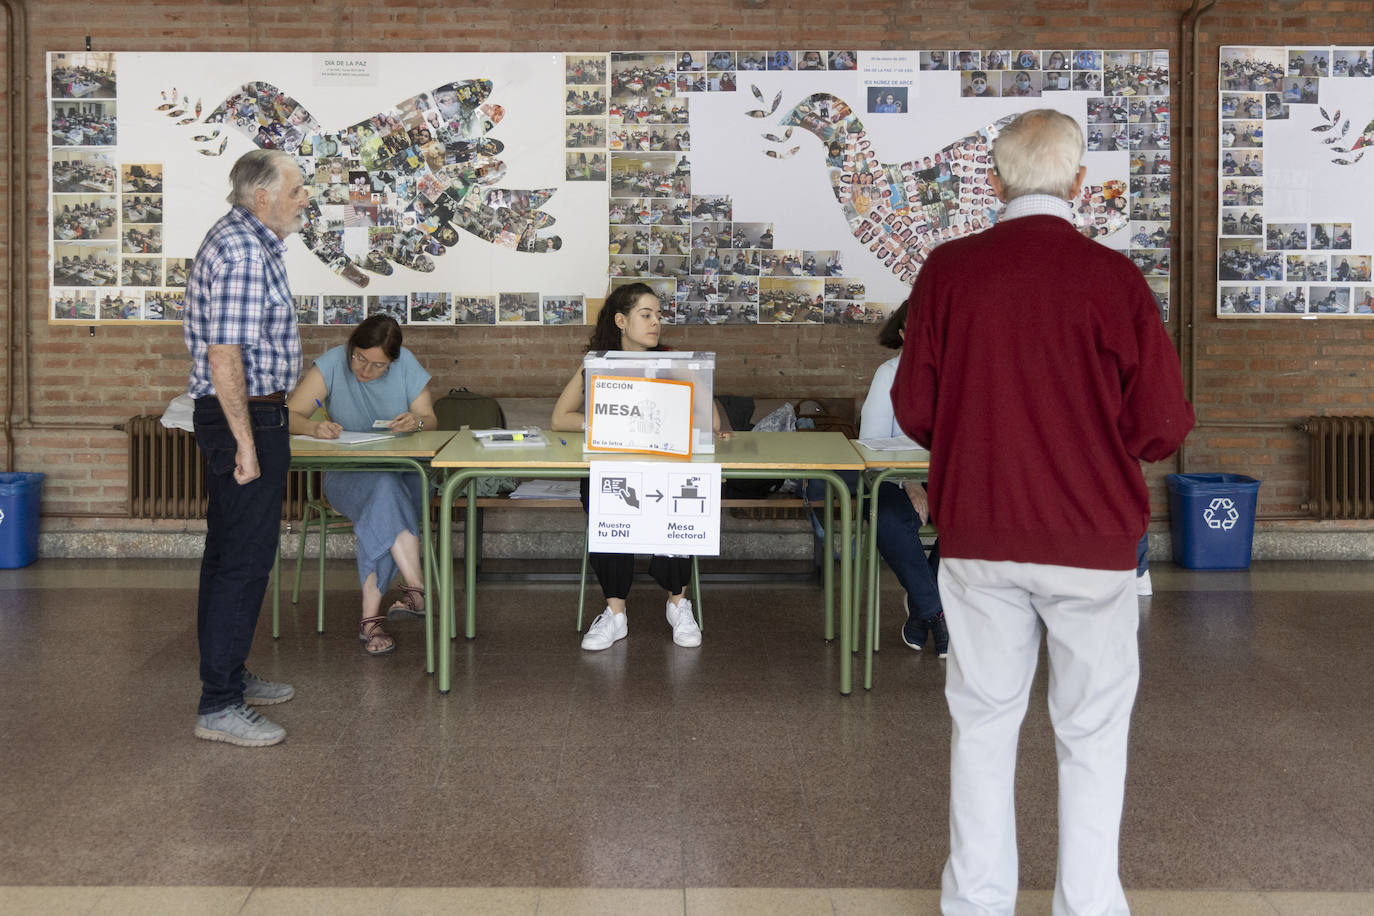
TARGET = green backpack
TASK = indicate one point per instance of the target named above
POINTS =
(461, 407)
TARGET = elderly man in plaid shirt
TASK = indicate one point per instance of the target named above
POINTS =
(240, 327)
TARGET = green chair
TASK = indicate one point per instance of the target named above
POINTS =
(582, 588)
(316, 511)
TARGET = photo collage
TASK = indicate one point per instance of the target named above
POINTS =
(390, 193)
(1285, 266)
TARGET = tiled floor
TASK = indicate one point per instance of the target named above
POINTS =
(650, 779)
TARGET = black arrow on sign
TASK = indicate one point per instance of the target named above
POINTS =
(657, 497)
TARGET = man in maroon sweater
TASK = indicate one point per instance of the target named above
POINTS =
(1037, 372)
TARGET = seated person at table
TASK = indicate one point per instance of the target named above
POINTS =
(628, 321)
(902, 510)
(373, 378)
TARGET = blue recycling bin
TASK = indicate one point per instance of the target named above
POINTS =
(20, 495)
(1212, 519)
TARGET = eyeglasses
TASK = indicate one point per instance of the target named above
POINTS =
(362, 362)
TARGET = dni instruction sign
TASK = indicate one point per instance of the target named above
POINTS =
(654, 507)
(627, 414)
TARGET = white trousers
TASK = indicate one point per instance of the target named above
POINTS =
(996, 612)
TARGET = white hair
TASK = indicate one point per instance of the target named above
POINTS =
(1039, 153)
(259, 168)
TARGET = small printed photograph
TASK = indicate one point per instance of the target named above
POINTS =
(1242, 193)
(1147, 136)
(82, 172)
(782, 60)
(1242, 134)
(1241, 221)
(1350, 62)
(584, 133)
(711, 207)
(1025, 60)
(1152, 262)
(1101, 139)
(1149, 163)
(1348, 268)
(142, 239)
(1306, 267)
(1363, 297)
(672, 240)
(1160, 287)
(1055, 60)
(887, 99)
(474, 310)
(567, 309)
(691, 61)
(584, 69)
(517, 308)
(73, 305)
(142, 272)
(1107, 110)
(1135, 73)
(996, 60)
(850, 290)
(84, 264)
(716, 312)
(431, 308)
(1247, 105)
(1328, 300)
(1250, 69)
(83, 217)
(934, 60)
(80, 123)
(969, 60)
(340, 310)
(811, 60)
(753, 60)
(1340, 235)
(975, 85)
(584, 101)
(650, 175)
(1241, 300)
(1278, 236)
(142, 208)
(720, 81)
(1301, 90)
(141, 178)
(1087, 60)
(1242, 259)
(1275, 109)
(1322, 236)
(664, 289)
(720, 60)
(791, 301)
(1285, 300)
(844, 60)
(1087, 81)
(584, 166)
(1149, 111)
(1021, 84)
(83, 75)
(121, 305)
(177, 270)
(307, 309)
(1149, 235)
(164, 305)
(740, 263)
(1056, 81)
(1308, 62)
(393, 306)
(1245, 163)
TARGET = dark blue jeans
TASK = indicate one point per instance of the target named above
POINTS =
(899, 544)
(242, 527)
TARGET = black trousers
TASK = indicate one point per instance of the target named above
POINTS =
(615, 572)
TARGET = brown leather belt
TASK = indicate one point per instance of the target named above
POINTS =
(276, 397)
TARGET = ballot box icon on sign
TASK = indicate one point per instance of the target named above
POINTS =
(689, 499)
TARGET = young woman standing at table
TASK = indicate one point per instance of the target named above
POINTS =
(628, 321)
(373, 378)
(902, 510)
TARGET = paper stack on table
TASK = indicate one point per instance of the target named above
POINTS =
(892, 444)
(528, 437)
(546, 489)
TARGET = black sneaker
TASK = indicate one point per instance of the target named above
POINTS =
(913, 631)
(937, 627)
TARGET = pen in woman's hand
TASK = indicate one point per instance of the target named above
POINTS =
(323, 410)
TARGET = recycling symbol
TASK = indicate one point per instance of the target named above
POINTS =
(1221, 514)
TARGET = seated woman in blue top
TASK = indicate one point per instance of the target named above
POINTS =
(373, 378)
(902, 510)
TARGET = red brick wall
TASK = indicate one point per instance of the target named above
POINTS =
(1248, 372)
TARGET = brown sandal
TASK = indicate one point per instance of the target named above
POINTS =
(411, 603)
(370, 628)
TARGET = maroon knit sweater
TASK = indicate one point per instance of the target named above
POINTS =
(1037, 372)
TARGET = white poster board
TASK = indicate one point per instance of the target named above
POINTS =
(654, 507)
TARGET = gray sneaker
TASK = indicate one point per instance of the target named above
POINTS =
(239, 725)
(257, 692)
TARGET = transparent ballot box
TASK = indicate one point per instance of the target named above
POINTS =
(694, 368)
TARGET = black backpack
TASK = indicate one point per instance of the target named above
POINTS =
(461, 407)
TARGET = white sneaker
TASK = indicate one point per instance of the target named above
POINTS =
(1143, 588)
(686, 633)
(606, 630)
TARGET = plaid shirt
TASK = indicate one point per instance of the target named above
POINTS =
(238, 294)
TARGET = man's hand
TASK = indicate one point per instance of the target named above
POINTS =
(917, 494)
(246, 467)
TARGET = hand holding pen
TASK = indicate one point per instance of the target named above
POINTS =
(326, 428)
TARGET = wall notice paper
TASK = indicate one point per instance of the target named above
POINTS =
(654, 507)
(640, 415)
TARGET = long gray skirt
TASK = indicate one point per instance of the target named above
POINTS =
(381, 504)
